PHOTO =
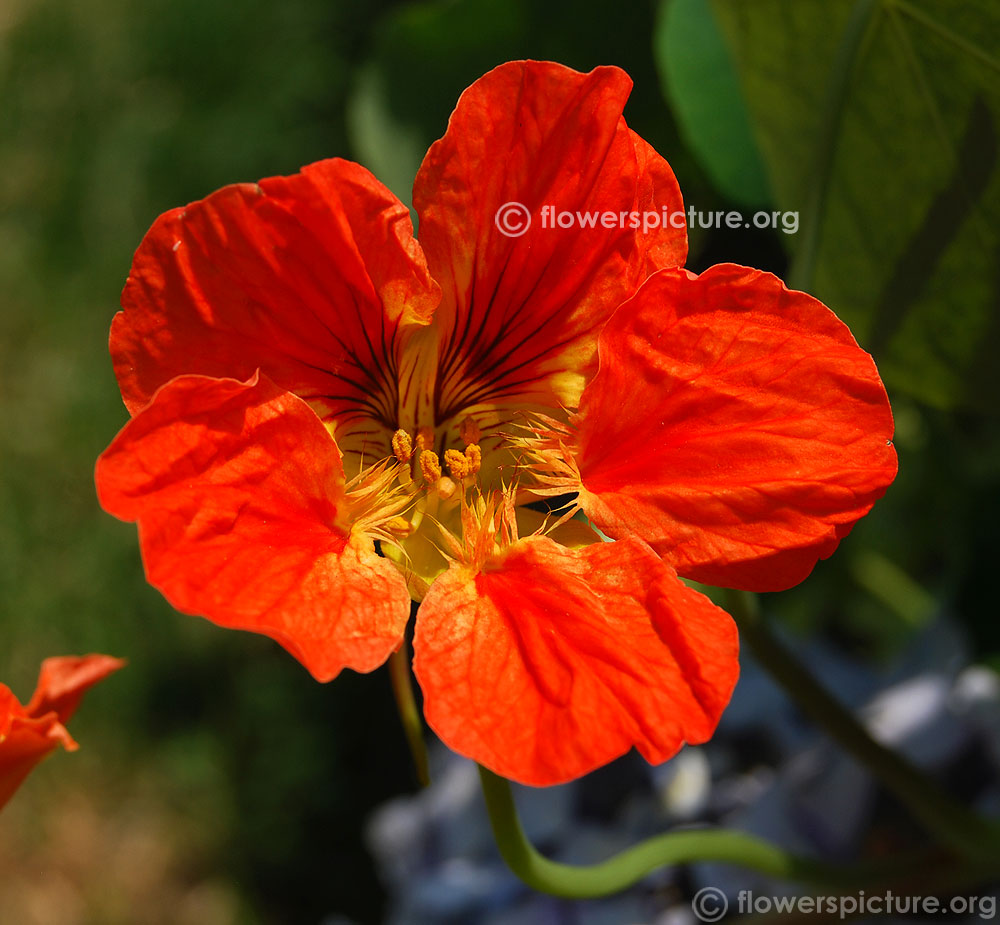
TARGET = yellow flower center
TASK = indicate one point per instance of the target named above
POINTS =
(438, 486)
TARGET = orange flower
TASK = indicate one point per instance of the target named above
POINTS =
(29, 733)
(310, 386)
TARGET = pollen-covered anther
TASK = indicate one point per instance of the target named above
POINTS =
(464, 465)
(457, 464)
(399, 526)
(475, 457)
(402, 446)
(469, 431)
(430, 465)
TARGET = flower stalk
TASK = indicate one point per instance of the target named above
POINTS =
(409, 714)
(623, 870)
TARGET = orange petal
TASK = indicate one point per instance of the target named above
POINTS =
(25, 745)
(64, 680)
(735, 425)
(238, 490)
(309, 278)
(28, 734)
(519, 314)
(551, 662)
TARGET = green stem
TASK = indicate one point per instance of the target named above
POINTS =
(956, 826)
(622, 870)
(803, 268)
(950, 821)
(402, 688)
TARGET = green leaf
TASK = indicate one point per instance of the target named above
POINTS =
(701, 85)
(878, 119)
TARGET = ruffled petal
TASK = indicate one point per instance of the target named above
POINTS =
(519, 314)
(735, 426)
(551, 662)
(239, 493)
(313, 278)
(64, 680)
(9, 708)
(25, 745)
(28, 734)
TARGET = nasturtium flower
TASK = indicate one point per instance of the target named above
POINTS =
(330, 418)
(29, 733)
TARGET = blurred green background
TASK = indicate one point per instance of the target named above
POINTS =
(217, 782)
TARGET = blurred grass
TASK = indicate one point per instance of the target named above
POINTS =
(215, 776)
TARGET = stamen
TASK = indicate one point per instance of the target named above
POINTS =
(457, 464)
(549, 455)
(445, 488)
(430, 465)
(475, 457)
(425, 438)
(402, 446)
(399, 526)
(375, 504)
(464, 465)
(489, 526)
(469, 431)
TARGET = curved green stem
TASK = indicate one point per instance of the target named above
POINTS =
(622, 870)
(409, 715)
(950, 821)
(955, 825)
(862, 17)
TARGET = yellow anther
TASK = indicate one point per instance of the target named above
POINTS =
(463, 465)
(430, 465)
(457, 463)
(469, 431)
(425, 438)
(474, 455)
(399, 526)
(402, 446)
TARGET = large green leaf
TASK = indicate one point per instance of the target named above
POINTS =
(700, 82)
(878, 119)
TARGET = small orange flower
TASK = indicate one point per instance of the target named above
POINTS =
(330, 418)
(29, 733)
